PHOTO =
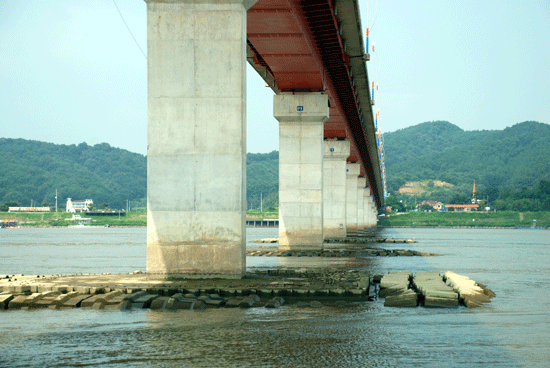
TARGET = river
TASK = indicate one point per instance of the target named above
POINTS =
(512, 331)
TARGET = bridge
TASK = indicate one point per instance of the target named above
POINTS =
(311, 54)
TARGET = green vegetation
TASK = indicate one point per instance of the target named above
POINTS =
(34, 170)
(260, 215)
(515, 157)
(477, 219)
(511, 167)
(110, 176)
(57, 219)
(262, 180)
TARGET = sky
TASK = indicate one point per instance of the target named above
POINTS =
(71, 72)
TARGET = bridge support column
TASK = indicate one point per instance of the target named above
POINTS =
(352, 174)
(334, 188)
(370, 215)
(361, 182)
(301, 121)
(196, 156)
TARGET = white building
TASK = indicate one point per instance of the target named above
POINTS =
(78, 206)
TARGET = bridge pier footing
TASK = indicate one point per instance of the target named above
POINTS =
(301, 128)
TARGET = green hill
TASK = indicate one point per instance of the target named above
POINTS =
(262, 180)
(34, 170)
(513, 158)
(513, 163)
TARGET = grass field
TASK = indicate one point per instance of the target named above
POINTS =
(58, 219)
(419, 219)
(475, 219)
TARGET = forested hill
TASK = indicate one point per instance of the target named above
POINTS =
(105, 174)
(516, 157)
(34, 170)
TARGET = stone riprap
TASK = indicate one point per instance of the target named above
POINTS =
(471, 293)
(351, 238)
(268, 289)
(347, 252)
(395, 289)
(431, 290)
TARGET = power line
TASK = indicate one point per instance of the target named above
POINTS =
(128, 28)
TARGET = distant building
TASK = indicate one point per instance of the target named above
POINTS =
(435, 205)
(78, 206)
(462, 207)
(29, 209)
(80, 221)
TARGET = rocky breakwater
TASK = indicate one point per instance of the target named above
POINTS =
(431, 290)
(471, 293)
(395, 288)
(268, 289)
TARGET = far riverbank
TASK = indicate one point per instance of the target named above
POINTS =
(493, 220)
(451, 220)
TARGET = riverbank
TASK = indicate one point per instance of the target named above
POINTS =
(453, 220)
(449, 220)
(64, 219)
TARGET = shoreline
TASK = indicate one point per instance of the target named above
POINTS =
(464, 227)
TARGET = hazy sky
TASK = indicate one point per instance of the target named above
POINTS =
(70, 71)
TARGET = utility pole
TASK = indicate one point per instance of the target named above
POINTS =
(55, 199)
(261, 202)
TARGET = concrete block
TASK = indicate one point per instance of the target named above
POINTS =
(187, 304)
(20, 289)
(5, 300)
(233, 303)
(135, 295)
(144, 301)
(214, 303)
(403, 300)
(75, 302)
(159, 303)
(247, 302)
(435, 302)
(18, 302)
(394, 290)
(275, 302)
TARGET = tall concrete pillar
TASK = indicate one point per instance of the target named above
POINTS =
(373, 213)
(352, 175)
(361, 182)
(301, 128)
(196, 156)
(370, 217)
(334, 188)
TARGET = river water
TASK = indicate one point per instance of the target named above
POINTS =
(512, 331)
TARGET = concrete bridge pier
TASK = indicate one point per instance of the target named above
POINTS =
(361, 182)
(301, 127)
(334, 187)
(370, 211)
(352, 175)
(196, 156)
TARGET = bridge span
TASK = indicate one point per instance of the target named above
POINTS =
(311, 54)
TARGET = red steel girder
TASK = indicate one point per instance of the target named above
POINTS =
(320, 27)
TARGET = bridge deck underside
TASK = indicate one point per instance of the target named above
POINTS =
(298, 48)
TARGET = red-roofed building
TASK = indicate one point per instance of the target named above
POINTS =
(462, 207)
